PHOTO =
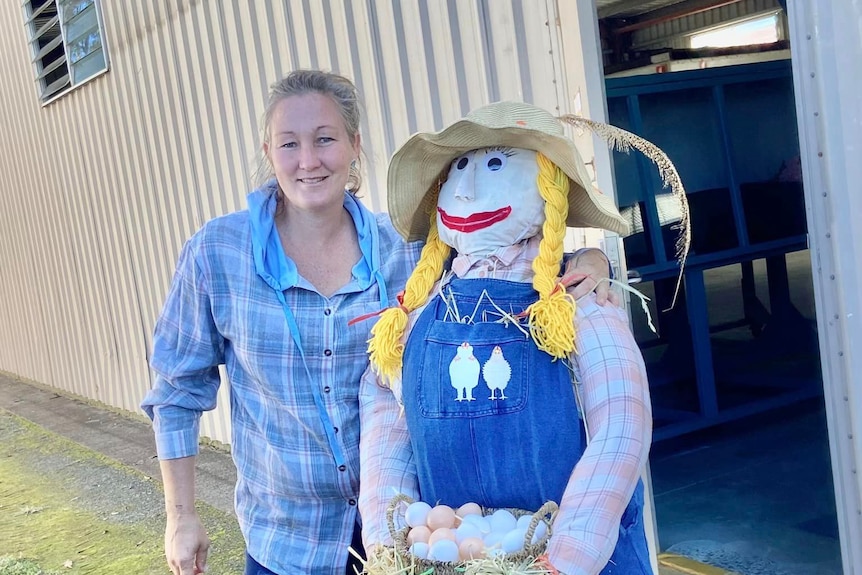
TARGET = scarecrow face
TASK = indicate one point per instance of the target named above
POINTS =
(490, 200)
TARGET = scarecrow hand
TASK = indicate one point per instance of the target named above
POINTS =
(542, 562)
(587, 270)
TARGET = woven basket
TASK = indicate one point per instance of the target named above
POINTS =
(546, 513)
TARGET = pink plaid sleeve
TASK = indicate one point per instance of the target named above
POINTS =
(615, 396)
(386, 464)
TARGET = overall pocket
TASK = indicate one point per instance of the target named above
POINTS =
(473, 370)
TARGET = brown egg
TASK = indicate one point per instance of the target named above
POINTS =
(441, 516)
(471, 548)
(469, 508)
(420, 533)
(440, 534)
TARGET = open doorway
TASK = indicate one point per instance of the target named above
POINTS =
(740, 466)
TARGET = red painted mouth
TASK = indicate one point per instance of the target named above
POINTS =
(475, 221)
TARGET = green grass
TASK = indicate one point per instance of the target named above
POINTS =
(46, 527)
(11, 566)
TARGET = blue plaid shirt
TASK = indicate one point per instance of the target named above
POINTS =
(294, 366)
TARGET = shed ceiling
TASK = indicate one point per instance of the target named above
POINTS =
(630, 8)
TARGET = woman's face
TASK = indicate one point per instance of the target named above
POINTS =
(310, 151)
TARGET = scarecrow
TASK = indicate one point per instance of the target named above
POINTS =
(489, 384)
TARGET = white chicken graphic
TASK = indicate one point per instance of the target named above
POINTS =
(497, 373)
(464, 372)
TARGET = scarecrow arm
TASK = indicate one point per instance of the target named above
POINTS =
(616, 403)
(386, 463)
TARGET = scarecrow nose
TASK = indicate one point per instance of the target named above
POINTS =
(465, 187)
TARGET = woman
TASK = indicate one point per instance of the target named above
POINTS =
(269, 292)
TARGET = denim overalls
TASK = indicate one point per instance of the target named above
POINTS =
(492, 419)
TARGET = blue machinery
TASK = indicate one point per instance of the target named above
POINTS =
(731, 133)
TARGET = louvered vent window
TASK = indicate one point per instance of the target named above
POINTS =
(66, 43)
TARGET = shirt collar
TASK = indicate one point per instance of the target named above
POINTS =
(279, 271)
(465, 266)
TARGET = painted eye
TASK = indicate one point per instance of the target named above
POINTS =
(462, 162)
(495, 161)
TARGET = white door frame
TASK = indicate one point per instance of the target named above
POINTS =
(826, 50)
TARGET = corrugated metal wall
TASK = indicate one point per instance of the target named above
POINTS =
(674, 33)
(101, 187)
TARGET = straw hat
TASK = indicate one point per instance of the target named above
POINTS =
(425, 157)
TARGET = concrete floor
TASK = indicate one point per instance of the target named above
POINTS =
(753, 495)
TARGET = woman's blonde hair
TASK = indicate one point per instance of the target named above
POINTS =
(551, 318)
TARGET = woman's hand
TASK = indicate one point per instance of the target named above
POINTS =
(186, 544)
(587, 269)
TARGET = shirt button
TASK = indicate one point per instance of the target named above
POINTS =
(351, 501)
(327, 352)
(327, 389)
(342, 468)
(327, 311)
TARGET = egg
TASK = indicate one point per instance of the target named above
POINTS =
(513, 541)
(420, 533)
(466, 530)
(469, 508)
(524, 521)
(440, 516)
(417, 513)
(471, 548)
(502, 520)
(443, 550)
(481, 522)
(441, 534)
(493, 539)
(539, 533)
(419, 550)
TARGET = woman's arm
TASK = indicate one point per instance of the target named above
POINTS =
(587, 268)
(187, 349)
(186, 541)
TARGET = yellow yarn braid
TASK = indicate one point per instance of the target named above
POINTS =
(551, 318)
(385, 346)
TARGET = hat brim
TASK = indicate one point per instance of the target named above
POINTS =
(425, 158)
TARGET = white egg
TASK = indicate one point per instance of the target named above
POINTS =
(493, 539)
(539, 533)
(524, 521)
(481, 522)
(513, 541)
(466, 530)
(419, 550)
(417, 513)
(443, 550)
(502, 520)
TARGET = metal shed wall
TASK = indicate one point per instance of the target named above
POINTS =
(102, 186)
